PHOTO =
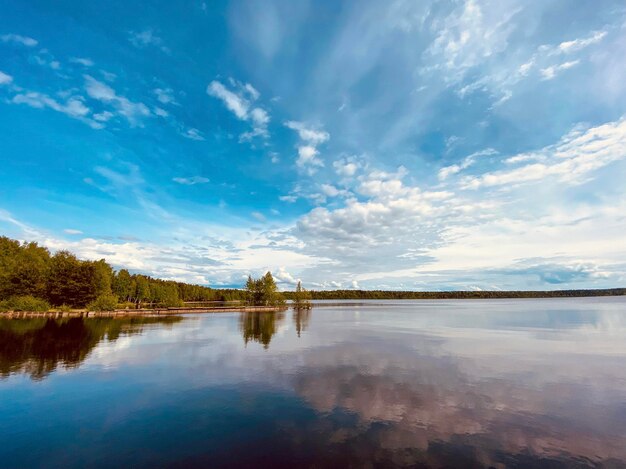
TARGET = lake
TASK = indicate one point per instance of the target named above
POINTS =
(459, 383)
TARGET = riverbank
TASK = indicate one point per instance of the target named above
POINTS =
(138, 312)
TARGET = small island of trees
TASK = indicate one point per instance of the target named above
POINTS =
(263, 292)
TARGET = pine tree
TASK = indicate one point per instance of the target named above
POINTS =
(301, 298)
(250, 287)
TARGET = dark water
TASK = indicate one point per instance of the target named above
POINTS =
(499, 383)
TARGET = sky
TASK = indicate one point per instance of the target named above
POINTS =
(414, 145)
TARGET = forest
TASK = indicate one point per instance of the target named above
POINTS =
(33, 279)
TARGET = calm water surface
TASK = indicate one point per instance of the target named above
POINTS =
(498, 383)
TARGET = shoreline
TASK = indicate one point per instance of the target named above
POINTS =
(138, 312)
(153, 312)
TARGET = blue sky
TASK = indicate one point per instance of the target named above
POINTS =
(421, 145)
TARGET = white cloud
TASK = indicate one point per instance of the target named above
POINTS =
(108, 76)
(145, 38)
(398, 231)
(119, 181)
(47, 60)
(73, 107)
(259, 117)
(259, 216)
(400, 173)
(571, 160)
(103, 116)
(252, 91)
(25, 229)
(307, 155)
(193, 134)
(577, 44)
(18, 39)
(468, 161)
(552, 71)
(311, 136)
(82, 61)
(165, 96)
(134, 112)
(545, 55)
(282, 276)
(472, 33)
(190, 181)
(5, 79)
(448, 171)
(503, 76)
(307, 150)
(525, 68)
(71, 231)
(235, 103)
(345, 168)
(160, 112)
(330, 190)
(242, 107)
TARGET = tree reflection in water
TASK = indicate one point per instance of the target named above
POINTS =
(301, 318)
(38, 346)
(260, 327)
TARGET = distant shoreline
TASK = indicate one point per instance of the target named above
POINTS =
(371, 295)
(450, 295)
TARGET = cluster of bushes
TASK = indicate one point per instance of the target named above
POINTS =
(24, 303)
(105, 302)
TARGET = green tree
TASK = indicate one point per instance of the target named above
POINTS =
(123, 285)
(250, 291)
(23, 268)
(263, 292)
(142, 290)
(101, 278)
(269, 292)
(70, 280)
(170, 295)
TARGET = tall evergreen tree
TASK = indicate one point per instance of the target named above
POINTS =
(250, 291)
(301, 297)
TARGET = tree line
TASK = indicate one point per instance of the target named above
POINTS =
(440, 295)
(31, 278)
